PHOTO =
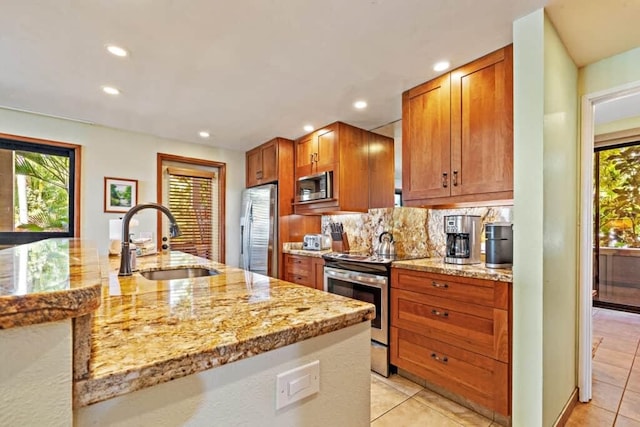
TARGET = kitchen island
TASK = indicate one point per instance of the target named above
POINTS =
(152, 344)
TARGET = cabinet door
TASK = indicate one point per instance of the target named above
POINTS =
(269, 162)
(327, 151)
(318, 265)
(482, 125)
(426, 155)
(305, 149)
(254, 167)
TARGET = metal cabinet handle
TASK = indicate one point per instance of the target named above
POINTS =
(439, 313)
(439, 285)
(259, 175)
(315, 157)
(455, 178)
(311, 158)
(444, 180)
(443, 359)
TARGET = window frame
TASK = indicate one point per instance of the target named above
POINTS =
(73, 151)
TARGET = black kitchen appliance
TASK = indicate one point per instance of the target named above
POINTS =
(499, 245)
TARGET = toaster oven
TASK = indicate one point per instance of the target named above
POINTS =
(316, 242)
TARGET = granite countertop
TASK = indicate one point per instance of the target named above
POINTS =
(149, 332)
(48, 281)
(295, 248)
(437, 265)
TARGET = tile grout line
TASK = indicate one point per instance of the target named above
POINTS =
(626, 383)
(390, 409)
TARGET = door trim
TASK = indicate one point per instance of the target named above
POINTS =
(222, 168)
(585, 334)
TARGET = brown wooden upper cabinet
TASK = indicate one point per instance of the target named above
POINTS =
(457, 135)
(316, 152)
(262, 164)
(360, 165)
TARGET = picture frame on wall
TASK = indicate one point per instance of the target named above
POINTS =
(120, 194)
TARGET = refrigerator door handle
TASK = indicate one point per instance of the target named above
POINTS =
(246, 236)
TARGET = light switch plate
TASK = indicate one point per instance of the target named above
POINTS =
(297, 384)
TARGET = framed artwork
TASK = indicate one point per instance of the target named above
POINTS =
(120, 194)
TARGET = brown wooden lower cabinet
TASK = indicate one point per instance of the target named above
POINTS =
(304, 270)
(454, 332)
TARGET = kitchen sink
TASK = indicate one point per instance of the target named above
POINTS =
(179, 273)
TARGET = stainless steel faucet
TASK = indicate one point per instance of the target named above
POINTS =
(125, 258)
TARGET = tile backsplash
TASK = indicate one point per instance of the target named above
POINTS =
(417, 232)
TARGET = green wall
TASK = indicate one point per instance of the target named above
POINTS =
(545, 222)
(610, 72)
(561, 188)
(528, 105)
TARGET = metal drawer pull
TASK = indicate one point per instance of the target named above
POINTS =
(439, 313)
(444, 359)
(439, 285)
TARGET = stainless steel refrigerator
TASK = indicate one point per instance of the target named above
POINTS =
(258, 230)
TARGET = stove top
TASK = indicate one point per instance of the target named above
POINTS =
(365, 258)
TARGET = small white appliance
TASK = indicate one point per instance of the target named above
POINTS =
(316, 242)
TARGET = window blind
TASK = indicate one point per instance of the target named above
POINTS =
(191, 202)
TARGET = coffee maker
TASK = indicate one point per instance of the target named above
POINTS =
(463, 239)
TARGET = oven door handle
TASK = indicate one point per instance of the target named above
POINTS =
(354, 276)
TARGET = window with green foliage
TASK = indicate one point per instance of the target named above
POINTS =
(618, 190)
(37, 191)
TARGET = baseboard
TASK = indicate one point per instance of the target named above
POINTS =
(567, 410)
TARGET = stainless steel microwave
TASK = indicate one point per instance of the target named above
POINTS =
(314, 187)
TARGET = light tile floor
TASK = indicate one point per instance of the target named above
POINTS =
(616, 373)
(398, 402)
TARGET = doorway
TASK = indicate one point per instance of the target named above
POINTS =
(587, 264)
(616, 258)
(194, 190)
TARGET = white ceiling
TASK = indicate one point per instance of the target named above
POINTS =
(246, 70)
(251, 70)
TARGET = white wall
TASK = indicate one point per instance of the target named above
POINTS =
(242, 393)
(122, 154)
(35, 376)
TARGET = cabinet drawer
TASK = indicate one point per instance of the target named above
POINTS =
(478, 378)
(300, 279)
(476, 291)
(479, 329)
(298, 264)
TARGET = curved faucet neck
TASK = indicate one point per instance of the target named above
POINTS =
(125, 256)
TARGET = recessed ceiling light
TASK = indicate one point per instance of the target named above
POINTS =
(110, 90)
(204, 134)
(308, 128)
(360, 104)
(441, 66)
(117, 50)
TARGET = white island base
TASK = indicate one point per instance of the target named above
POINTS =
(243, 393)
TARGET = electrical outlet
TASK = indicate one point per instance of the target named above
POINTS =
(297, 384)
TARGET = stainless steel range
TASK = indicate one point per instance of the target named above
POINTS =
(365, 278)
